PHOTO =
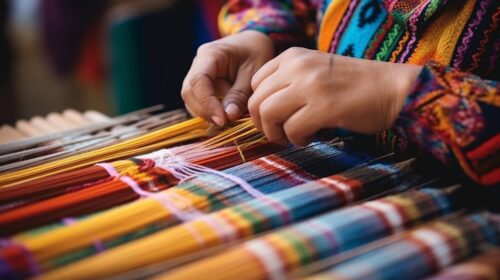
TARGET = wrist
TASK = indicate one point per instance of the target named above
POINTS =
(406, 76)
(257, 40)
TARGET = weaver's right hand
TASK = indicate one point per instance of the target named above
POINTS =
(234, 60)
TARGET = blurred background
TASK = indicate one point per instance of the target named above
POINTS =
(113, 56)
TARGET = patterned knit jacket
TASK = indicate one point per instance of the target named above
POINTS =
(453, 111)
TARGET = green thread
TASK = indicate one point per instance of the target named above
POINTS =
(431, 8)
(390, 41)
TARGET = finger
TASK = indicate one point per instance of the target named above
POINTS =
(198, 88)
(268, 87)
(237, 96)
(195, 108)
(187, 96)
(265, 71)
(203, 91)
(273, 65)
(275, 111)
(190, 111)
(301, 127)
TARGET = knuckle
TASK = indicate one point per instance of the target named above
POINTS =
(213, 49)
(293, 51)
(253, 82)
(204, 102)
(301, 62)
(273, 138)
(204, 48)
(266, 112)
(253, 108)
(317, 76)
(184, 95)
(196, 78)
(293, 134)
(239, 95)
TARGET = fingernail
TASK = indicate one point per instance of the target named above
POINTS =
(218, 121)
(232, 110)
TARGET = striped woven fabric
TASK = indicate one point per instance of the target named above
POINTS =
(273, 255)
(204, 193)
(246, 219)
(486, 266)
(237, 143)
(46, 187)
(423, 251)
(153, 172)
(218, 158)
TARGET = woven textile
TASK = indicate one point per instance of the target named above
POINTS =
(207, 192)
(246, 219)
(423, 251)
(273, 255)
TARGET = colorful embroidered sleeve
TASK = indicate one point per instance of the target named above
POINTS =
(455, 116)
(287, 22)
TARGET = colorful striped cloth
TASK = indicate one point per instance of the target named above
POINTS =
(205, 193)
(268, 174)
(423, 251)
(273, 255)
(453, 109)
(246, 219)
(154, 172)
(58, 184)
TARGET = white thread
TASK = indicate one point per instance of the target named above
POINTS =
(390, 212)
(169, 161)
(283, 168)
(343, 187)
(437, 245)
(184, 215)
(224, 229)
(196, 234)
(243, 184)
(135, 187)
(268, 257)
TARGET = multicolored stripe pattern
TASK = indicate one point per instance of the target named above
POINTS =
(280, 252)
(268, 174)
(295, 204)
(423, 251)
(209, 192)
(404, 31)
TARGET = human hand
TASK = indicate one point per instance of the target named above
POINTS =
(232, 60)
(297, 94)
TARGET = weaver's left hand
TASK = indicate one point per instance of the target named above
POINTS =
(297, 94)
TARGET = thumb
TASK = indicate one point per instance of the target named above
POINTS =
(235, 101)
